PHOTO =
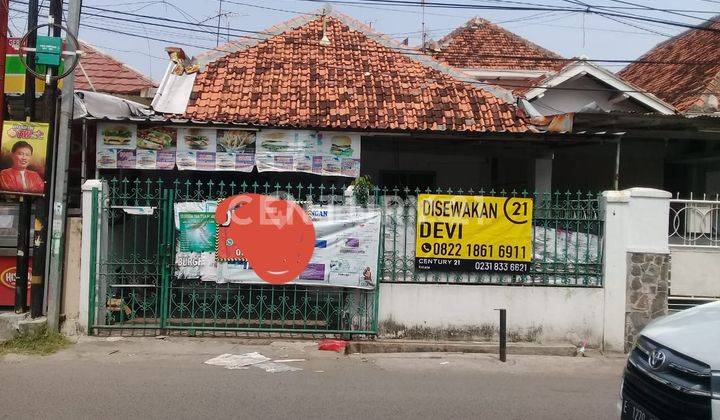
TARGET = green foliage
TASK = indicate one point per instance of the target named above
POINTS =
(362, 190)
(40, 342)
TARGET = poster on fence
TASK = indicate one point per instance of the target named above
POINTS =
(345, 255)
(473, 233)
(320, 153)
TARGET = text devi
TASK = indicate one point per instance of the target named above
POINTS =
(440, 230)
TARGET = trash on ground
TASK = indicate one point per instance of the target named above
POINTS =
(114, 339)
(272, 367)
(161, 337)
(319, 371)
(332, 345)
(113, 352)
(288, 360)
(444, 363)
(237, 361)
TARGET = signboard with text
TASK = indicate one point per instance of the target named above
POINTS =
(473, 233)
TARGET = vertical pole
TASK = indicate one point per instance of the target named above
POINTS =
(37, 287)
(616, 179)
(503, 334)
(59, 184)
(4, 9)
(25, 214)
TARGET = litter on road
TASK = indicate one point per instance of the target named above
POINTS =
(237, 361)
(272, 367)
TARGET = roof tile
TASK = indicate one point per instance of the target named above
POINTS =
(480, 44)
(354, 83)
(682, 85)
(107, 74)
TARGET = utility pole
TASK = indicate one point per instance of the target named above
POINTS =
(217, 39)
(25, 213)
(59, 183)
(42, 210)
(424, 32)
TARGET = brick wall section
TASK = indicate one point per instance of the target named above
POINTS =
(648, 278)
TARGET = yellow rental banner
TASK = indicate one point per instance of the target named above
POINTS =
(22, 157)
(473, 233)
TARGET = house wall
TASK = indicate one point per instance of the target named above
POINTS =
(592, 167)
(450, 164)
(580, 92)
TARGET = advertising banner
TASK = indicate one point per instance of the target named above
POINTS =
(156, 148)
(22, 157)
(196, 149)
(116, 144)
(474, 233)
(235, 150)
(345, 255)
(320, 153)
(8, 271)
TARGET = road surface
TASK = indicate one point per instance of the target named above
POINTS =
(167, 379)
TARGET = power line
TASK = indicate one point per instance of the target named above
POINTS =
(407, 51)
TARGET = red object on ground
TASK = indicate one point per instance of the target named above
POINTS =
(332, 345)
(276, 236)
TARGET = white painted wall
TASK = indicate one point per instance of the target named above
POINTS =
(560, 311)
(695, 272)
(85, 251)
(581, 91)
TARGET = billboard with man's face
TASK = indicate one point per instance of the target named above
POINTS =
(22, 157)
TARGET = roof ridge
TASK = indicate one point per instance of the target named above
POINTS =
(97, 50)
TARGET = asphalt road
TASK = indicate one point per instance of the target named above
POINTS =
(158, 379)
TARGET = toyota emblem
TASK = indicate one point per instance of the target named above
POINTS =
(656, 359)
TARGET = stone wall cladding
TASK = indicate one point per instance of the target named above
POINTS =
(648, 280)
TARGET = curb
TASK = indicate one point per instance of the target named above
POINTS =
(432, 347)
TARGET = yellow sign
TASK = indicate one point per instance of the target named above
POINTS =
(22, 157)
(473, 233)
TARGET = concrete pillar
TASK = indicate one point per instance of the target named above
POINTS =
(543, 174)
(86, 251)
(635, 222)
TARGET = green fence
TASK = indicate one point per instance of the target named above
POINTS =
(133, 282)
(567, 240)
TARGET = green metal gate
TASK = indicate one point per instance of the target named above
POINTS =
(133, 284)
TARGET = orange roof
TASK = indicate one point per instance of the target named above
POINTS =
(358, 80)
(480, 44)
(682, 85)
(107, 74)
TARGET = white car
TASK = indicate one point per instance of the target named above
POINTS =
(673, 372)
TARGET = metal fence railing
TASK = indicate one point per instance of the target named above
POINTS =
(567, 240)
(694, 222)
(134, 285)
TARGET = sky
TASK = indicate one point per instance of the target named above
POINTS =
(566, 32)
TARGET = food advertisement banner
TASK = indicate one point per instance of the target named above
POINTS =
(321, 153)
(473, 233)
(116, 144)
(345, 255)
(22, 157)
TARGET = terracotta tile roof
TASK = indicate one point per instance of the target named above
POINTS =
(107, 74)
(357, 81)
(685, 86)
(480, 44)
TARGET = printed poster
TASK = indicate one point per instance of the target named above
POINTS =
(156, 148)
(196, 149)
(345, 255)
(22, 157)
(320, 153)
(235, 150)
(473, 233)
(111, 138)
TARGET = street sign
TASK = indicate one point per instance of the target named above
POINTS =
(48, 50)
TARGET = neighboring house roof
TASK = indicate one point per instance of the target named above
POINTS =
(102, 73)
(582, 67)
(480, 44)
(358, 80)
(688, 87)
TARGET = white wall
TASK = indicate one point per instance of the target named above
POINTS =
(695, 272)
(560, 311)
(582, 91)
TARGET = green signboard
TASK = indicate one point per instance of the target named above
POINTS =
(48, 50)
